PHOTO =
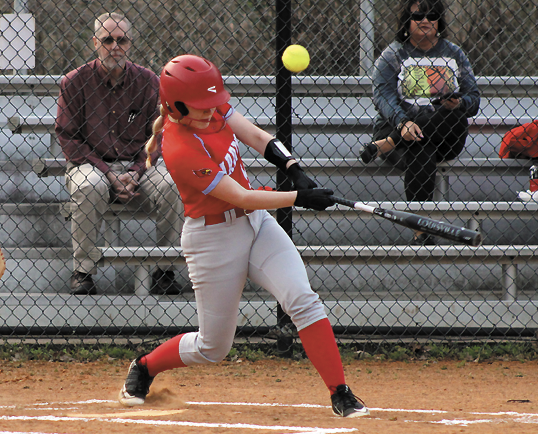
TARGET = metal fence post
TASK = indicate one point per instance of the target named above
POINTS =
(20, 7)
(367, 36)
(283, 133)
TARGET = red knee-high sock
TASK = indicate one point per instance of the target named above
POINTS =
(320, 346)
(164, 357)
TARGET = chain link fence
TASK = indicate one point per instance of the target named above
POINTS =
(374, 282)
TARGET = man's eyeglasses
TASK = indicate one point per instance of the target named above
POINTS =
(430, 16)
(109, 40)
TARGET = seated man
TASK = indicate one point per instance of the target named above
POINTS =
(105, 114)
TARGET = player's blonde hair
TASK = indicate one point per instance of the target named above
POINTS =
(151, 144)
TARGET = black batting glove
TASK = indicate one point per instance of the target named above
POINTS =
(299, 179)
(317, 199)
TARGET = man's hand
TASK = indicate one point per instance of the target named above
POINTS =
(124, 185)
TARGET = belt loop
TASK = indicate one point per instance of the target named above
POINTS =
(229, 216)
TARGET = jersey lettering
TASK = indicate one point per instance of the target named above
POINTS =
(231, 158)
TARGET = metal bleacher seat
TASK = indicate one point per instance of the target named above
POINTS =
(327, 111)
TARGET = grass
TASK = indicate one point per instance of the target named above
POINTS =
(75, 353)
(505, 351)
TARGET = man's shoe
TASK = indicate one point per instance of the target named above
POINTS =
(368, 153)
(82, 284)
(346, 404)
(136, 386)
(164, 283)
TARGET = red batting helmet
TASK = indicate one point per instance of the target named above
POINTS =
(191, 80)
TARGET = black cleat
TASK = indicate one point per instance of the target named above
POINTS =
(136, 385)
(346, 404)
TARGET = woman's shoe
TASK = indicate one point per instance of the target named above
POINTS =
(424, 240)
(368, 152)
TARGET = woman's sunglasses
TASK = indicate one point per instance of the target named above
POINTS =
(430, 16)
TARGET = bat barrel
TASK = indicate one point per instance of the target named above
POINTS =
(419, 223)
(450, 232)
(454, 233)
(431, 226)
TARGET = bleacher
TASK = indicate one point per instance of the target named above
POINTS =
(332, 116)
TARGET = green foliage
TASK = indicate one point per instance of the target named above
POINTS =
(347, 354)
(247, 353)
(78, 353)
(439, 352)
(399, 353)
(482, 352)
(475, 352)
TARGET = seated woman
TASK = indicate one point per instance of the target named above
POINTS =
(424, 91)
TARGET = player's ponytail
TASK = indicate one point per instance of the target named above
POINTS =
(151, 144)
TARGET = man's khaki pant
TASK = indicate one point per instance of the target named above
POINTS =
(91, 195)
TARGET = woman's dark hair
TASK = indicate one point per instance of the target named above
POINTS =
(437, 6)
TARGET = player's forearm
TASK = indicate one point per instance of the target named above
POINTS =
(230, 191)
(260, 199)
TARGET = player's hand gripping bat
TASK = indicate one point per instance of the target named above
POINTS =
(418, 223)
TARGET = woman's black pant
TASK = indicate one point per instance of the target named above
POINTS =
(445, 132)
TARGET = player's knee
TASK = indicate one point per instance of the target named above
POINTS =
(197, 350)
(215, 354)
(92, 193)
(304, 308)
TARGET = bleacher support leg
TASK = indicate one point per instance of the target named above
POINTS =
(509, 273)
(112, 232)
(473, 224)
(142, 280)
(112, 239)
(441, 188)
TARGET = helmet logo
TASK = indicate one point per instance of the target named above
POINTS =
(212, 89)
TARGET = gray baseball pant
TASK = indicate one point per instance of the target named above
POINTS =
(220, 258)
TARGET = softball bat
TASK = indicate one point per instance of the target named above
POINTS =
(419, 223)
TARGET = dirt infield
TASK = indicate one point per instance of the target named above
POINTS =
(271, 396)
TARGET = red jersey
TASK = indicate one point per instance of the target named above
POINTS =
(198, 159)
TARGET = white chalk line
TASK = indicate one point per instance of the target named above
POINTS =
(527, 418)
(253, 404)
(25, 432)
(88, 401)
(297, 429)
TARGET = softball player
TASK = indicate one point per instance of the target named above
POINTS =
(228, 235)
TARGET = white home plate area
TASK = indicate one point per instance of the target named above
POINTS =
(60, 412)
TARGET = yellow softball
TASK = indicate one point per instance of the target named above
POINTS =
(295, 58)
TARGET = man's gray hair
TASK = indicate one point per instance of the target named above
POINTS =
(119, 18)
